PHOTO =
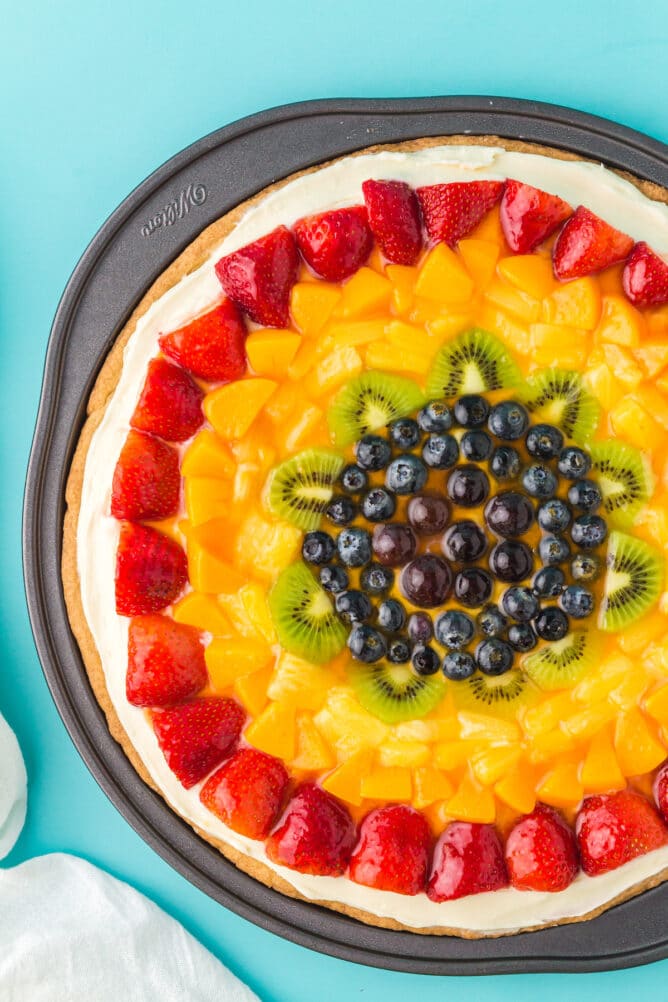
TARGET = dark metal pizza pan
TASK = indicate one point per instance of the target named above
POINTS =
(148, 230)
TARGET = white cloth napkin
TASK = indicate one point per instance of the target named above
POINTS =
(13, 783)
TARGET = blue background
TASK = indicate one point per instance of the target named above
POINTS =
(94, 97)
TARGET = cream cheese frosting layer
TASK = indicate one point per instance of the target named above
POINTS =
(619, 203)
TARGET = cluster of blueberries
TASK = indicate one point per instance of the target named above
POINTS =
(459, 440)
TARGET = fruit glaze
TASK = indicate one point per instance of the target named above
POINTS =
(378, 586)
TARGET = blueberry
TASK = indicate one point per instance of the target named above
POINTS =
(553, 550)
(373, 452)
(378, 505)
(509, 514)
(476, 445)
(366, 644)
(353, 479)
(521, 637)
(471, 411)
(426, 581)
(539, 481)
(420, 628)
(544, 441)
(508, 420)
(573, 462)
(520, 603)
(425, 660)
(511, 561)
(354, 546)
(468, 486)
(554, 515)
(440, 452)
(473, 587)
(505, 463)
(398, 651)
(458, 665)
(341, 510)
(334, 578)
(585, 495)
(318, 548)
(494, 656)
(404, 433)
(393, 544)
(577, 602)
(491, 622)
(436, 416)
(391, 615)
(585, 567)
(589, 531)
(549, 582)
(464, 542)
(406, 474)
(551, 623)
(376, 579)
(428, 514)
(353, 606)
(454, 629)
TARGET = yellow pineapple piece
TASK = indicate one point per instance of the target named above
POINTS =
(562, 346)
(312, 752)
(600, 770)
(232, 408)
(282, 403)
(403, 279)
(300, 683)
(207, 456)
(443, 277)
(346, 726)
(208, 573)
(623, 364)
(388, 783)
(655, 402)
(430, 785)
(512, 300)
(274, 731)
(620, 322)
(597, 685)
(630, 689)
(637, 747)
(271, 351)
(235, 608)
(312, 304)
(424, 730)
(254, 599)
(656, 704)
(265, 548)
(449, 324)
(382, 355)
(561, 787)
(574, 304)
(352, 335)
(632, 422)
(518, 790)
(662, 383)
(306, 358)
(206, 498)
(547, 714)
(483, 727)
(203, 612)
(452, 754)
(248, 481)
(480, 257)
(491, 764)
(346, 780)
(227, 658)
(550, 745)
(472, 802)
(410, 754)
(603, 385)
(529, 273)
(366, 292)
(251, 690)
(303, 430)
(515, 336)
(585, 723)
(653, 356)
(408, 337)
(334, 370)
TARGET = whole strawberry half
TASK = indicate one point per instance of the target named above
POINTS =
(468, 859)
(259, 277)
(170, 403)
(146, 482)
(529, 215)
(151, 570)
(394, 217)
(586, 245)
(541, 854)
(197, 736)
(165, 662)
(645, 277)
(614, 828)
(335, 244)
(247, 792)
(661, 790)
(451, 211)
(392, 852)
(211, 346)
(315, 834)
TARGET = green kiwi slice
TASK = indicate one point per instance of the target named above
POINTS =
(305, 619)
(632, 582)
(495, 695)
(558, 396)
(473, 362)
(625, 479)
(562, 663)
(394, 692)
(302, 486)
(371, 401)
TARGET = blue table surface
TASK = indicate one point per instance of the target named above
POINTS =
(94, 98)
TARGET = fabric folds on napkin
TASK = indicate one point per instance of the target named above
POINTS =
(13, 787)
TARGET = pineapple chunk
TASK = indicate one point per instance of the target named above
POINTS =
(574, 304)
(430, 785)
(480, 726)
(403, 280)
(403, 753)
(303, 685)
(254, 599)
(346, 726)
(632, 423)
(312, 752)
(562, 346)
(620, 322)
(491, 764)
(265, 548)
(334, 370)
(205, 499)
(513, 334)
(511, 300)
(304, 430)
(352, 335)
(638, 749)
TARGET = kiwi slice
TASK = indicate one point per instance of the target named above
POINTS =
(625, 479)
(562, 663)
(305, 620)
(497, 695)
(371, 401)
(558, 396)
(632, 582)
(302, 486)
(394, 692)
(474, 362)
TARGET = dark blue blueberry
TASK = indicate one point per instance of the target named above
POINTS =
(406, 474)
(334, 578)
(428, 514)
(553, 550)
(521, 637)
(464, 542)
(520, 603)
(511, 561)
(425, 660)
(471, 411)
(353, 479)
(404, 433)
(509, 514)
(354, 546)
(589, 531)
(458, 665)
(577, 602)
(494, 656)
(539, 481)
(318, 547)
(378, 505)
(454, 629)
(341, 510)
(367, 644)
(468, 486)
(544, 441)
(420, 628)
(505, 463)
(549, 582)
(476, 446)
(435, 416)
(440, 452)
(585, 495)
(353, 606)
(554, 515)
(508, 420)
(491, 622)
(398, 651)
(551, 623)
(373, 452)
(391, 615)
(585, 567)
(573, 463)
(473, 587)
(377, 579)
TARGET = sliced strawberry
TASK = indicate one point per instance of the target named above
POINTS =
(451, 211)
(586, 245)
(315, 834)
(468, 859)
(645, 277)
(197, 736)
(170, 404)
(392, 852)
(247, 792)
(529, 215)
(661, 790)
(335, 244)
(147, 482)
(151, 570)
(541, 854)
(211, 346)
(394, 217)
(165, 662)
(259, 277)
(614, 828)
